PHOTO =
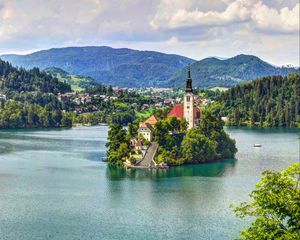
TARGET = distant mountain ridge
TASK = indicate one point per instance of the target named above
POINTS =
(211, 72)
(132, 68)
(122, 67)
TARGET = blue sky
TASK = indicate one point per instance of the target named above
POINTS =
(194, 28)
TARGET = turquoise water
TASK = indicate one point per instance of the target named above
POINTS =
(54, 186)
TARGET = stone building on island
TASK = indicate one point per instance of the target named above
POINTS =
(188, 110)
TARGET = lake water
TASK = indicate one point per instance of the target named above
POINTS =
(54, 186)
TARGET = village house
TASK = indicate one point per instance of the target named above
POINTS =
(146, 128)
(145, 106)
(64, 97)
(169, 101)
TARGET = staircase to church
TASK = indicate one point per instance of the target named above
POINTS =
(147, 160)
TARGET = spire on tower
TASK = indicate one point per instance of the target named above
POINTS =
(188, 87)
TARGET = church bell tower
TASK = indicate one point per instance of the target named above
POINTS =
(188, 101)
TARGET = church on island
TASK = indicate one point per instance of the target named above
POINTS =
(188, 110)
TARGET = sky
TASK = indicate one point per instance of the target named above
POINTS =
(268, 29)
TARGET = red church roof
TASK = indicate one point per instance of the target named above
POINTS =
(177, 111)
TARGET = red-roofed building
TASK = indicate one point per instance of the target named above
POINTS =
(177, 111)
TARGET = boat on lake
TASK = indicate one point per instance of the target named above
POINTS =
(257, 145)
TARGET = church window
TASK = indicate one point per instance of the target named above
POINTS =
(188, 98)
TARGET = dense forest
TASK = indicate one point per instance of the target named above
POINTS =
(30, 99)
(268, 101)
(15, 114)
(17, 80)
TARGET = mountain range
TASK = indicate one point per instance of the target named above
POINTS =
(211, 72)
(132, 68)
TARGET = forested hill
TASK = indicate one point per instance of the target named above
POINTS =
(77, 82)
(122, 67)
(28, 99)
(21, 80)
(269, 101)
(211, 72)
(131, 68)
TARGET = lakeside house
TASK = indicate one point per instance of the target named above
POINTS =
(146, 128)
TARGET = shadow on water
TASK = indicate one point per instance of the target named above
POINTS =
(217, 169)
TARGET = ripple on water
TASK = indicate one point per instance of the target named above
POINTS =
(54, 186)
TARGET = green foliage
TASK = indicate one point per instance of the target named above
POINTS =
(213, 128)
(18, 115)
(170, 157)
(20, 80)
(118, 144)
(265, 102)
(196, 147)
(32, 99)
(144, 113)
(168, 132)
(78, 83)
(178, 145)
(274, 206)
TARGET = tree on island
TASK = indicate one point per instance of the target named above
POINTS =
(206, 143)
(196, 147)
(274, 205)
(118, 145)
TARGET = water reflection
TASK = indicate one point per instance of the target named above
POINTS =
(217, 169)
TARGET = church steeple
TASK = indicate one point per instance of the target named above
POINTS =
(188, 102)
(188, 86)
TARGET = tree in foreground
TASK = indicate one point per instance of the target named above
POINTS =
(275, 206)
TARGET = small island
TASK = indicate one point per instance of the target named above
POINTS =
(188, 133)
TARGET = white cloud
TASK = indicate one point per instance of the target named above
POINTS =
(194, 28)
(166, 17)
(270, 19)
(172, 15)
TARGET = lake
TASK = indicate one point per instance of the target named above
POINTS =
(53, 185)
